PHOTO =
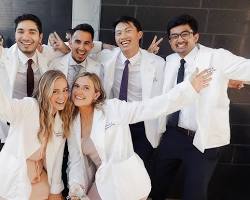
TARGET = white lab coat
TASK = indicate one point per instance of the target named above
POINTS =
(21, 143)
(151, 70)
(9, 64)
(212, 108)
(122, 174)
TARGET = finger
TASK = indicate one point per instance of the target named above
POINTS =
(57, 36)
(207, 75)
(241, 86)
(205, 72)
(207, 80)
(159, 41)
(155, 38)
(156, 50)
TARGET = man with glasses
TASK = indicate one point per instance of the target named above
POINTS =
(195, 135)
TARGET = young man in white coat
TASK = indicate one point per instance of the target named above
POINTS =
(142, 80)
(20, 77)
(77, 61)
(195, 135)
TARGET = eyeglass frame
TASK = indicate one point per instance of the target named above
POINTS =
(177, 35)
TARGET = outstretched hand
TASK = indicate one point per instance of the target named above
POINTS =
(202, 79)
(154, 46)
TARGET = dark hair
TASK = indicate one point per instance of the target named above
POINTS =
(1, 36)
(127, 19)
(183, 19)
(85, 28)
(31, 17)
(69, 30)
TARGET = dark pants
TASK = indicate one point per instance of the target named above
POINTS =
(1, 145)
(176, 148)
(141, 145)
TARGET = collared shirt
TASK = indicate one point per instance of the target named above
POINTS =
(74, 69)
(20, 85)
(134, 77)
(187, 115)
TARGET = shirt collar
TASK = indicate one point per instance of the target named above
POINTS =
(24, 59)
(72, 62)
(189, 58)
(133, 60)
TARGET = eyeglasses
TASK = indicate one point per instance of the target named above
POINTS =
(185, 35)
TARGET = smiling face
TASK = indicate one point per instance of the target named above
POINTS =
(59, 95)
(84, 92)
(28, 37)
(183, 46)
(81, 44)
(127, 37)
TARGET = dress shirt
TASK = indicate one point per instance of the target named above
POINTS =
(20, 85)
(187, 115)
(134, 77)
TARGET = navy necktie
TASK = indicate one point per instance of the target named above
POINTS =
(173, 119)
(124, 83)
(30, 78)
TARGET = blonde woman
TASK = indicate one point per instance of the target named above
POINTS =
(31, 159)
(101, 138)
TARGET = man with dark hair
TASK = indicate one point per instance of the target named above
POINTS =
(195, 135)
(23, 65)
(77, 61)
(30, 17)
(133, 74)
(20, 79)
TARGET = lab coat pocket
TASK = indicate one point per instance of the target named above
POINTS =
(131, 178)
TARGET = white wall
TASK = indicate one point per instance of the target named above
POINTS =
(87, 11)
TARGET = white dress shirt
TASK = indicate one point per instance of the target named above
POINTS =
(134, 77)
(187, 115)
(20, 85)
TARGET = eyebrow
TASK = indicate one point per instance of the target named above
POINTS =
(31, 29)
(59, 89)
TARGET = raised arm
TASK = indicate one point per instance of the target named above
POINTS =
(181, 95)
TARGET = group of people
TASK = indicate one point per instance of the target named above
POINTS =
(129, 117)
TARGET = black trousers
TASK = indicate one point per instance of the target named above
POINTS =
(64, 168)
(176, 148)
(1, 145)
(141, 145)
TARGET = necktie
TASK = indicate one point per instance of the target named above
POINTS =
(30, 78)
(173, 119)
(124, 83)
(72, 73)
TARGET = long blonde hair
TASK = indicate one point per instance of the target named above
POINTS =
(98, 88)
(43, 94)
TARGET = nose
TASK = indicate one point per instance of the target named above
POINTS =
(180, 39)
(123, 34)
(26, 36)
(62, 96)
(78, 90)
